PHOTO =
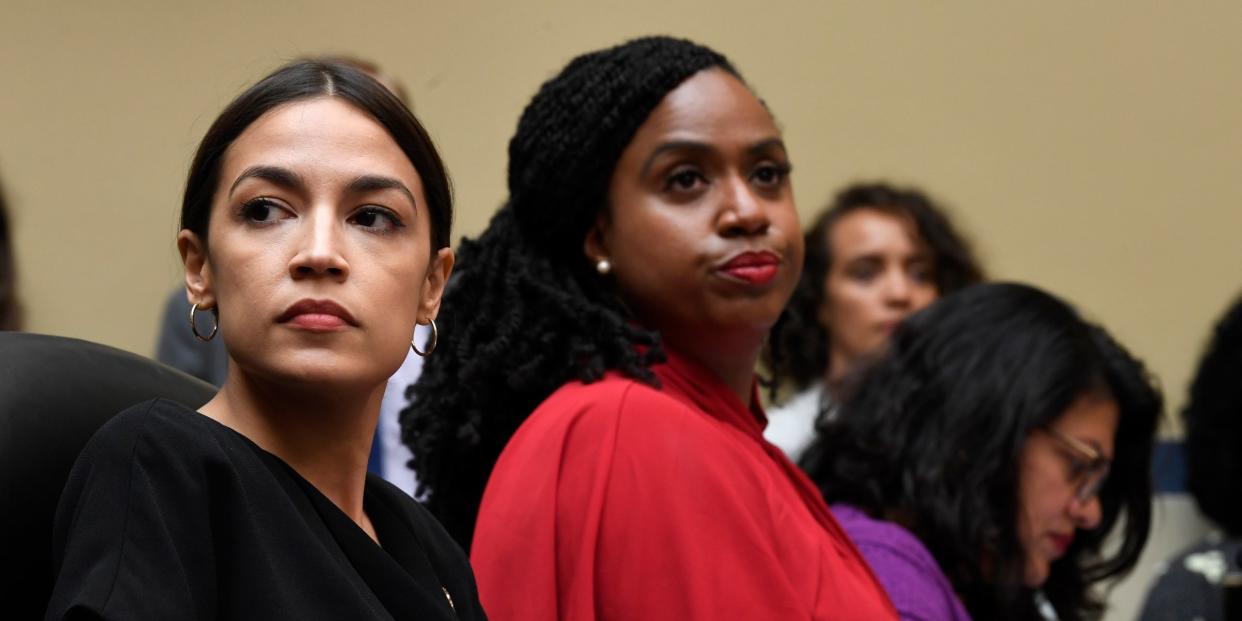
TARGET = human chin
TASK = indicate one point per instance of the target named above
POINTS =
(1036, 572)
(320, 365)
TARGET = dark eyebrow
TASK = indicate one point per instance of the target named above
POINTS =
(280, 176)
(673, 145)
(372, 183)
(763, 145)
(689, 145)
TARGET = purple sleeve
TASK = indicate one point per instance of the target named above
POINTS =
(917, 587)
(918, 591)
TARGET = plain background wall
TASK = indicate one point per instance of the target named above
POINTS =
(1089, 148)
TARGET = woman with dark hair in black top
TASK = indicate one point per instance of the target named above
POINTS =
(315, 226)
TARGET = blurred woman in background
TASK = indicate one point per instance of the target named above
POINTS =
(1193, 583)
(981, 463)
(875, 255)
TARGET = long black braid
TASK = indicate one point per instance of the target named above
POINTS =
(525, 312)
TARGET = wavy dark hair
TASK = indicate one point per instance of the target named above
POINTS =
(931, 433)
(1213, 419)
(308, 79)
(798, 345)
(10, 310)
(525, 311)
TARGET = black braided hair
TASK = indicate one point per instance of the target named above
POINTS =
(525, 312)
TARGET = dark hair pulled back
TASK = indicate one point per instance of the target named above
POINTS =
(307, 79)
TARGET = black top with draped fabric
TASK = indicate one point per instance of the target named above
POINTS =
(168, 514)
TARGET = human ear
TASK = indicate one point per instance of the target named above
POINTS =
(197, 266)
(438, 273)
(595, 245)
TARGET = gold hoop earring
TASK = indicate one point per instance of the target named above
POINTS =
(215, 325)
(435, 337)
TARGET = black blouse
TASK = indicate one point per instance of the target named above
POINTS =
(168, 514)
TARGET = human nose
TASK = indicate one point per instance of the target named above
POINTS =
(897, 288)
(743, 213)
(320, 249)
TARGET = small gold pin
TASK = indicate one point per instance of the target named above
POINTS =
(449, 598)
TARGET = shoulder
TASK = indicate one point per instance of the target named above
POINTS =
(883, 536)
(618, 415)
(156, 419)
(1189, 584)
(588, 428)
(899, 559)
(155, 434)
(612, 400)
(1205, 563)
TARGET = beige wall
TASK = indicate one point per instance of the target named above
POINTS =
(1088, 148)
(1091, 148)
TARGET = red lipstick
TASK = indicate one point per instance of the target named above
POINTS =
(317, 316)
(756, 268)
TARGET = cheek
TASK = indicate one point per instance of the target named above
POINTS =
(923, 297)
(1040, 494)
(853, 305)
(243, 280)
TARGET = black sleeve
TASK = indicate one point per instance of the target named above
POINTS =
(132, 537)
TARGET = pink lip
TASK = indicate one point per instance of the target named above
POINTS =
(317, 316)
(756, 268)
(1061, 542)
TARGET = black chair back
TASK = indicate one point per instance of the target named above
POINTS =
(55, 392)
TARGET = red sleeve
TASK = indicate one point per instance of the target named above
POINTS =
(623, 503)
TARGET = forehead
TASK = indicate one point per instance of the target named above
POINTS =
(874, 231)
(1092, 417)
(710, 106)
(323, 137)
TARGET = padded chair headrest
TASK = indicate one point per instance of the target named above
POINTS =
(55, 392)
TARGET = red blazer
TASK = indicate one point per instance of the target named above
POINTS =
(616, 500)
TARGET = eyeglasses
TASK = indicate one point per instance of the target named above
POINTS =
(1088, 466)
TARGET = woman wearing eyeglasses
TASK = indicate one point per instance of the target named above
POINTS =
(981, 463)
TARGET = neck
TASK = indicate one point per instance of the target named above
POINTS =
(838, 366)
(323, 432)
(732, 360)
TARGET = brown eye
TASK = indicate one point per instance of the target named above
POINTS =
(376, 218)
(684, 180)
(770, 175)
(921, 273)
(262, 210)
(863, 272)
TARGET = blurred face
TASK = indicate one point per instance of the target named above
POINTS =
(319, 258)
(701, 229)
(1060, 470)
(880, 272)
